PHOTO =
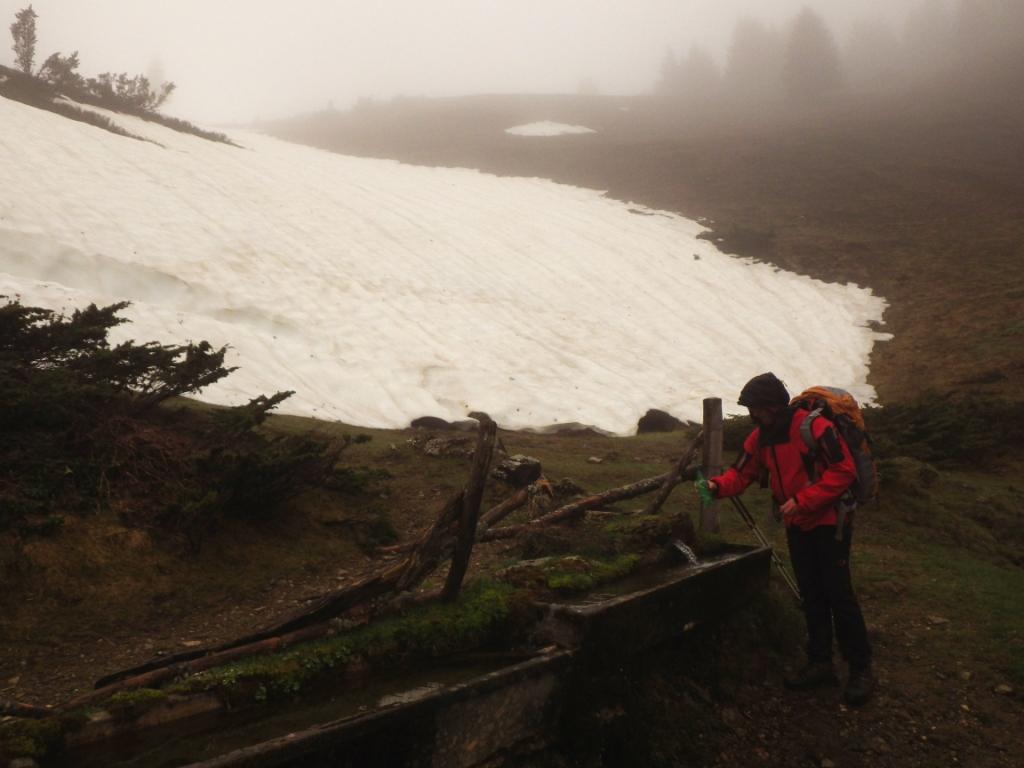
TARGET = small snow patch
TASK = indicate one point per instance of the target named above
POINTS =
(547, 128)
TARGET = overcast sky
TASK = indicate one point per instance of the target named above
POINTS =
(236, 60)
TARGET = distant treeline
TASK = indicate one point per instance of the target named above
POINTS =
(801, 62)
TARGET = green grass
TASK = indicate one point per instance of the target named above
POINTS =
(984, 602)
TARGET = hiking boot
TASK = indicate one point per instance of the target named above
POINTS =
(814, 674)
(859, 687)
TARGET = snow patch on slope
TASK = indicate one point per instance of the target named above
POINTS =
(547, 128)
(380, 292)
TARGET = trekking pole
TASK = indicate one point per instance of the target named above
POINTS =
(749, 520)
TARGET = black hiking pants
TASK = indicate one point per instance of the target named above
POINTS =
(822, 568)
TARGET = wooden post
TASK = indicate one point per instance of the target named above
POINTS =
(471, 498)
(712, 457)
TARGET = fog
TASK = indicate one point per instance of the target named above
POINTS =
(241, 60)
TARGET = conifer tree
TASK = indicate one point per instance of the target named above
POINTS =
(23, 30)
(812, 67)
(754, 63)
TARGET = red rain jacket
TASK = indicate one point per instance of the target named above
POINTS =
(785, 460)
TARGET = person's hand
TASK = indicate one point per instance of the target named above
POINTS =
(705, 489)
(789, 508)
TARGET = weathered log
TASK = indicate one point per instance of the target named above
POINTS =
(429, 548)
(494, 515)
(673, 477)
(156, 676)
(577, 508)
(503, 510)
(10, 708)
(339, 601)
(471, 498)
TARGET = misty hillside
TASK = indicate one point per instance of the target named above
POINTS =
(381, 292)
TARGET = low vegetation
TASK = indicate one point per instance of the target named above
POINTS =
(57, 80)
(86, 433)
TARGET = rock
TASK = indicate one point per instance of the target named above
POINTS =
(517, 470)
(449, 446)
(433, 422)
(429, 422)
(571, 429)
(881, 746)
(595, 460)
(658, 421)
(937, 621)
(826, 763)
(1003, 689)
(965, 675)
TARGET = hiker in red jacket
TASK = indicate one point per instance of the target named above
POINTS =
(817, 532)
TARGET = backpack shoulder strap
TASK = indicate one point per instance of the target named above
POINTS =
(807, 435)
(807, 432)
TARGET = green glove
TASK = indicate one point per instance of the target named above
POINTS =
(701, 484)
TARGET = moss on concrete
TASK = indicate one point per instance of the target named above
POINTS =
(480, 614)
(576, 574)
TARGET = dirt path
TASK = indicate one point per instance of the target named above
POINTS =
(927, 712)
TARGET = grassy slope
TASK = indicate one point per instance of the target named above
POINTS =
(927, 552)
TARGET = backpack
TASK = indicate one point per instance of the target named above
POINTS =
(840, 407)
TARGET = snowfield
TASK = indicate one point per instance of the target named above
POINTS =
(380, 292)
(547, 128)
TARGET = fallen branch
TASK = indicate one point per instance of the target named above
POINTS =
(430, 547)
(503, 510)
(494, 515)
(672, 479)
(578, 508)
(10, 708)
(154, 677)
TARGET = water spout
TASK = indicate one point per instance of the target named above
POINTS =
(688, 553)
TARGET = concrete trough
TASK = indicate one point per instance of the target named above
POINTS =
(473, 715)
